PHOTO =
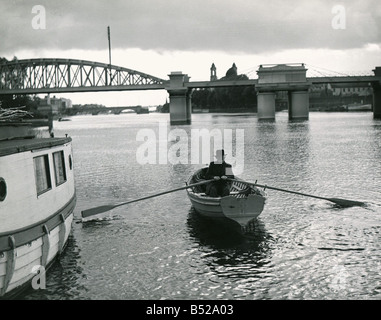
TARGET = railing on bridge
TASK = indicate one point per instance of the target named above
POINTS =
(68, 75)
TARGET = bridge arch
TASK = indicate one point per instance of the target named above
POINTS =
(33, 76)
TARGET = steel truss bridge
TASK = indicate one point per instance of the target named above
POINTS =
(34, 76)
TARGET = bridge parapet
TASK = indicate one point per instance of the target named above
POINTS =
(282, 77)
(177, 80)
(282, 73)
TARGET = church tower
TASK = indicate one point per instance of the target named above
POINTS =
(213, 73)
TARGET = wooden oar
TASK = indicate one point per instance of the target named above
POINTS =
(340, 202)
(105, 208)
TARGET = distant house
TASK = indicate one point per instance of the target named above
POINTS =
(340, 90)
(360, 91)
(54, 106)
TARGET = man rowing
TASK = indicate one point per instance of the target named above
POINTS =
(219, 170)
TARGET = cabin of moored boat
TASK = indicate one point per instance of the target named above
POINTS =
(37, 200)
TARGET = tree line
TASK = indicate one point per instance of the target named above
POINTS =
(17, 101)
(226, 98)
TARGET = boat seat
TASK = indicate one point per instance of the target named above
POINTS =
(239, 186)
(241, 195)
(234, 193)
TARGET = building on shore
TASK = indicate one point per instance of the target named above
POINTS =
(339, 97)
(359, 91)
(53, 106)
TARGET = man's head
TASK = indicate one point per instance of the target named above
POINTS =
(220, 155)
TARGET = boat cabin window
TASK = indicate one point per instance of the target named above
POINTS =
(42, 174)
(59, 167)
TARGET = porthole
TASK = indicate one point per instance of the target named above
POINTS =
(3, 189)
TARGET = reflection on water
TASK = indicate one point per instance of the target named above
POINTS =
(222, 233)
(231, 256)
(301, 248)
(225, 247)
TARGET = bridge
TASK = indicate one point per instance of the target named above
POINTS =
(271, 78)
(119, 110)
(36, 76)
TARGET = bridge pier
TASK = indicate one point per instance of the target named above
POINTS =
(377, 101)
(180, 102)
(266, 105)
(298, 105)
(283, 77)
(377, 95)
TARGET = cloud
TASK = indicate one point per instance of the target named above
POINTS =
(242, 26)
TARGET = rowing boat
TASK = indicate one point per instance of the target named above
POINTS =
(243, 205)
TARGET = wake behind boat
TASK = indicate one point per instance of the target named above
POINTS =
(243, 205)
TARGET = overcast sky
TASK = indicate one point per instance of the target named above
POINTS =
(160, 36)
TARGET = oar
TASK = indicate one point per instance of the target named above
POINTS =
(105, 208)
(340, 202)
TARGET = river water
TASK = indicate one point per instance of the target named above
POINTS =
(302, 248)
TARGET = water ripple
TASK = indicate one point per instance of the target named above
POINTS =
(301, 248)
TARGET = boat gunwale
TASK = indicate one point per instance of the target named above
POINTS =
(200, 194)
(197, 197)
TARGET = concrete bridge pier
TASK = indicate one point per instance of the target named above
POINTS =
(180, 103)
(298, 105)
(266, 105)
(377, 101)
(377, 95)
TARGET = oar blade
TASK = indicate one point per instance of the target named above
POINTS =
(340, 202)
(96, 210)
(346, 203)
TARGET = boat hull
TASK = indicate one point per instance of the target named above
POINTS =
(243, 211)
(242, 208)
(19, 265)
(208, 207)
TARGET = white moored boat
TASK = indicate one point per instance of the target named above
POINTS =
(37, 199)
(244, 204)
